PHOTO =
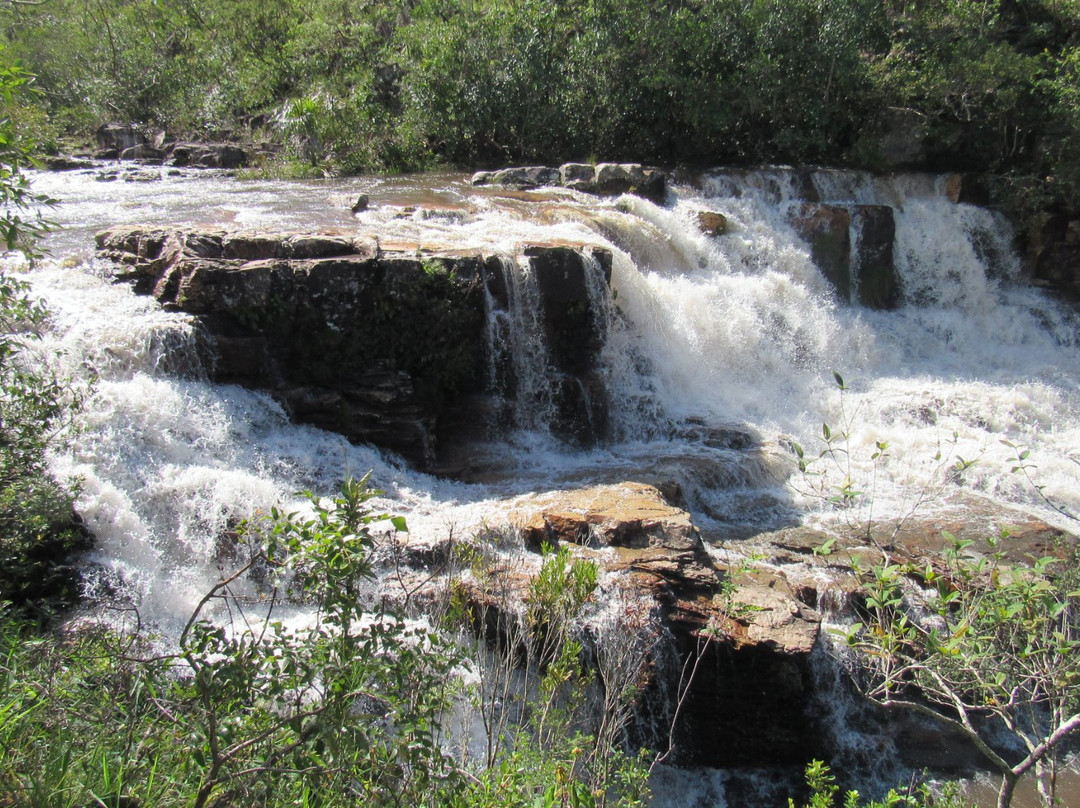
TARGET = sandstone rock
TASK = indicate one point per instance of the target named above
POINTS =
(968, 189)
(564, 281)
(208, 155)
(629, 515)
(748, 698)
(521, 177)
(874, 268)
(357, 337)
(827, 228)
(117, 137)
(606, 179)
(142, 152)
(65, 162)
(712, 223)
(1053, 253)
(578, 176)
(625, 178)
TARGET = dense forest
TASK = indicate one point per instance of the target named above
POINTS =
(350, 86)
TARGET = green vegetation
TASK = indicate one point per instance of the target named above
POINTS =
(358, 85)
(986, 647)
(350, 705)
(38, 528)
(823, 791)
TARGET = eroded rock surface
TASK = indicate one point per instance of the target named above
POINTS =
(602, 179)
(377, 342)
(748, 616)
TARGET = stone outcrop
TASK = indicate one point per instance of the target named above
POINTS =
(852, 245)
(712, 223)
(755, 695)
(381, 344)
(1053, 253)
(116, 137)
(128, 142)
(827, 229)
(874, 270)
(602, 179)
(747, 702)
(206, 155)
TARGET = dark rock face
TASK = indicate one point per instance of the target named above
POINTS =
(967, 189)
(874, 270)
(207, 155)
(117, 137)
(852, 245)
(373, 343)
(126, 142)
(1053, 254)
(712, 223)
(603, 179)
(747, 702)
(827, 228)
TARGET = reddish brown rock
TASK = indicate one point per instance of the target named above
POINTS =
(712, 223)
(827, 229)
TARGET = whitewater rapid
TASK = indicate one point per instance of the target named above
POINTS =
(739, 330)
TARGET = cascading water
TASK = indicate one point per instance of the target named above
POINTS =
(718, 358)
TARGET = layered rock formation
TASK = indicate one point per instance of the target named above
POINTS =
(124, 142)
(754, 636)
(603, 179)
(378, 342)
(750, 623)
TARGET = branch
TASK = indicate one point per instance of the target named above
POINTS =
(1040, 751)
(999, 762)
(210, 595)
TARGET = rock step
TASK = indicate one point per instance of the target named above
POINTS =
(602, 179)
(380, 345)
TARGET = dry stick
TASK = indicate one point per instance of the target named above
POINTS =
(684, 691)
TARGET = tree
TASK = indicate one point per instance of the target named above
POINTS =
(38, 528)
(979, 645)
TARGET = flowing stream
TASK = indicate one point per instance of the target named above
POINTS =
(704, 332)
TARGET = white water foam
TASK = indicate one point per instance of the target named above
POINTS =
(740, 329)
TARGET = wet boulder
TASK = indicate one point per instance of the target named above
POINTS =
(602, 179)
(1053, 253)
(143, 153)
(522, 177)
(967, 189)
(207, 155)
(375, 341)
(754, 637)
(827, 229)
(114, 138)
(712, 223)
(874, 268)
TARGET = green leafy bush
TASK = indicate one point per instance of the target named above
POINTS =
(38, 529)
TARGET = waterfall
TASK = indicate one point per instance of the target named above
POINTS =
(709, 357)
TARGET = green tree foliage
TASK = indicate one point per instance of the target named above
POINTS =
(38, 530)
(982, 646)
(404, 84)
(286, 689)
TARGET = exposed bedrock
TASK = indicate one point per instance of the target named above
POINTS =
(1053, 253)
(383, 345)
(602, 179)
(128, 142)
(758, 693)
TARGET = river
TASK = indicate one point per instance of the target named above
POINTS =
(735, 330)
